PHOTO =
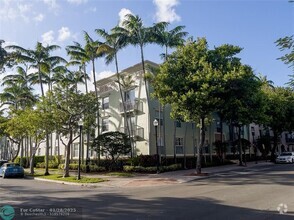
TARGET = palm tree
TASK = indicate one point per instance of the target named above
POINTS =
(79, 57)
(39, 59)
(168, 39)
(114, 42)
(84, 55)
(138, 35)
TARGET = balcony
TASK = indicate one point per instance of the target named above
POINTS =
(137, 132)
(131, 106)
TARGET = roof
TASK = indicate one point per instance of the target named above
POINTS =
(131, 69)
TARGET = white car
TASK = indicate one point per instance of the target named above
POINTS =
(285, 157)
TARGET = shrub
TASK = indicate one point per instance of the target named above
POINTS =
(153, 169)
(74, 166)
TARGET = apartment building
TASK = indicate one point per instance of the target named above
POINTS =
(173, 137)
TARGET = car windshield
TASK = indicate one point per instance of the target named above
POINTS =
(286, 154)
(12, 165)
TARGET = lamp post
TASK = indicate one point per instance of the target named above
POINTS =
(155, 124)
(80, 123)
(255, 149)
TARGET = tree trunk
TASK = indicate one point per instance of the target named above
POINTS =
(124, 107)
(239, 146)
(273, 149)
(47, 155)
(175, 137)
(199, 149)
(67, 156)
(98, 117)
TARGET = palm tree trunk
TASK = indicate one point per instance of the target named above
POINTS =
(98, 117)
(124, 107)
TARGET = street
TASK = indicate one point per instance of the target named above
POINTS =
(248, 193)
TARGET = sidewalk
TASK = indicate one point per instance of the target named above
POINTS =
(174, 177)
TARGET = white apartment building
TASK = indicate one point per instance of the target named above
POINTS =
(174, 138)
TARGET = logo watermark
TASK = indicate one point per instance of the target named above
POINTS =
(7, 212)
(282, 208)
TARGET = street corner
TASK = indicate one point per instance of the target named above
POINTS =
(151, 182)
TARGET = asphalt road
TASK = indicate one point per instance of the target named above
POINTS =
(250, 193)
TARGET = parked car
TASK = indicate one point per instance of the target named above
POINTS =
(11, 170)
(285, 157)
(3, 162)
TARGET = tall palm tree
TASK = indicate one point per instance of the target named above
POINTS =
(88, 54)
(138, 35)
(40, 59)
(115, 41)
(168, 39)
(79, 57)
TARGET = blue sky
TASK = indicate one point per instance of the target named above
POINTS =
(252, 25)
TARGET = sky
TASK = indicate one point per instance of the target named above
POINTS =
(254, 25)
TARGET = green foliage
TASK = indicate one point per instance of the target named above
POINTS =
(188, 82)
(141, 169)
(72, 179)
(113, 145)
(143, 160)
(287, 43)
(74, 166)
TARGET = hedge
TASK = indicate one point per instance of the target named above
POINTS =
(153, 169)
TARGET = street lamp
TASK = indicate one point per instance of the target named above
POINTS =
(80, 123)
(155, 124)
(255, 149)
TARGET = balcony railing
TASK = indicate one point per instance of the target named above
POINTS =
(131, 106)
(136, 131)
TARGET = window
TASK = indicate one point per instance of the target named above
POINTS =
(105, 124)
(130, 95)
(178, 124)
(56, 150)
(75, 150)
(105, 103)
(160, 121)
(179, 145)
(218, 126)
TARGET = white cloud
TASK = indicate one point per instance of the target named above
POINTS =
(48, 38)
(63, 34)
(12, 10)
(122, 13)
(165, 10)
(39, 17)
(52, 4)
(77, 2)
(104, 74)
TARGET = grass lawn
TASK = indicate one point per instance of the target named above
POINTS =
(72, 179)
(56, 174)
(120, 174)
